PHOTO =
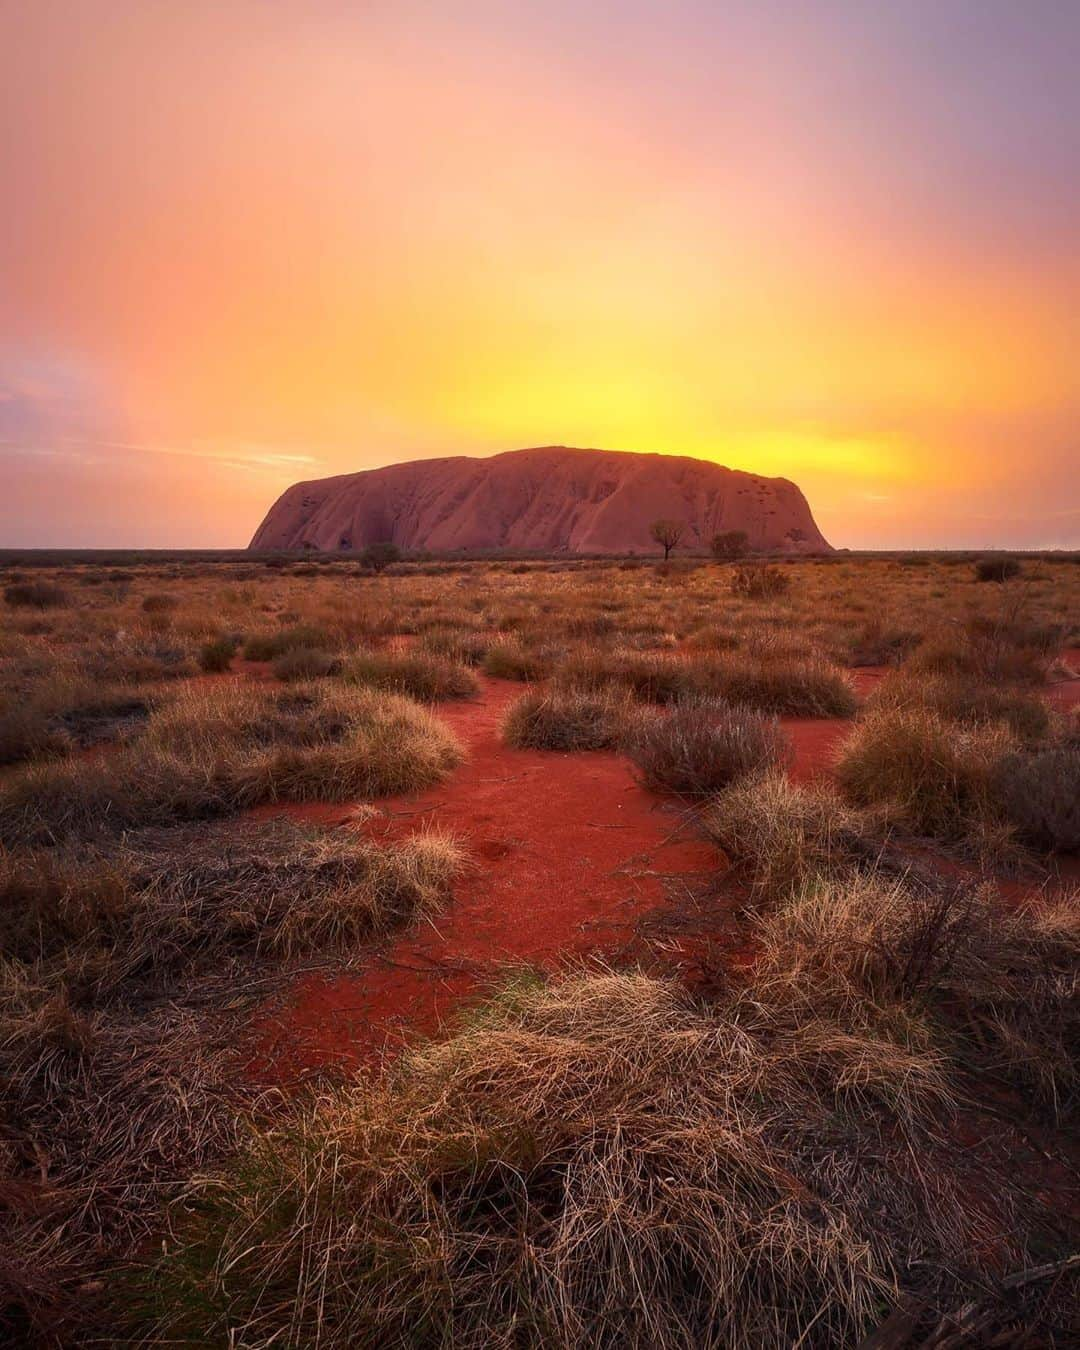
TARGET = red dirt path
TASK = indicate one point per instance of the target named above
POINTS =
(567, 852)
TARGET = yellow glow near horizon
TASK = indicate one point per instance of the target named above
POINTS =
(274, 243)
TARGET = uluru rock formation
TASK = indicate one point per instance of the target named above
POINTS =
(551, 499)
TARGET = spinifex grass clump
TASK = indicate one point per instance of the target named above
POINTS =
(268, 646)
(967, 699)
(130, 974)
(782, 685)
(305, 663)
(780, 834)
(36, 595)
(998, 981)
(1007, 647)
(648, 678)
(218, 750)
(997, 569)
(430, 679)
(162, 899)
(216, 655)
(701, 747)
(63, 713)
(460, 645)
(766, 1171)
(566, 719)
(511, 661)
(938, 777)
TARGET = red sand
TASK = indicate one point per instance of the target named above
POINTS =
(567, 852)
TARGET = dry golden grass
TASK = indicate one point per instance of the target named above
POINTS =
(216, 750)
(567, 719)
(602, 1161)
(936, 777)
(430, 679)
(55, 712)
(966, 699)
(1000, 982)
(780, 834)
(127, 975)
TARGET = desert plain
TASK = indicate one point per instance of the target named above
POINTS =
(537, 951)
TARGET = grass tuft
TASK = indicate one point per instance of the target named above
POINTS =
(601, 1155)
(936, 776)
(427, 678)
(565, 719)
(214, 751)
(305, 663)
(781, 834)
(700, 748)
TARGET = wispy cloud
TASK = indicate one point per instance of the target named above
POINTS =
(236, 455)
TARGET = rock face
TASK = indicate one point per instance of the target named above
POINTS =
(548, 500)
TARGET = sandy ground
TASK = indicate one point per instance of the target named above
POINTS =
(568, 852)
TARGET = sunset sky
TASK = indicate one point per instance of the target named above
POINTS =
(244, 242)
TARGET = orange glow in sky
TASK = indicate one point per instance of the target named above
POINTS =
(251, 241)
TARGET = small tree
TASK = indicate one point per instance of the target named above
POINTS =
(380, 555)
(730, 545)
(667, 534)
(997, 569)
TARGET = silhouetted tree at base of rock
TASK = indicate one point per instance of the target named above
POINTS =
(667, 534)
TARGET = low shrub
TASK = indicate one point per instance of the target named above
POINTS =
(36, 595)
(305, 663)
(702, 747)
(876, 643)
(378, 556)
(216, 655)
(1039, 794)
(758, 581)
(158, 603)
(565, 719)
(729, 545)
(997, 569)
